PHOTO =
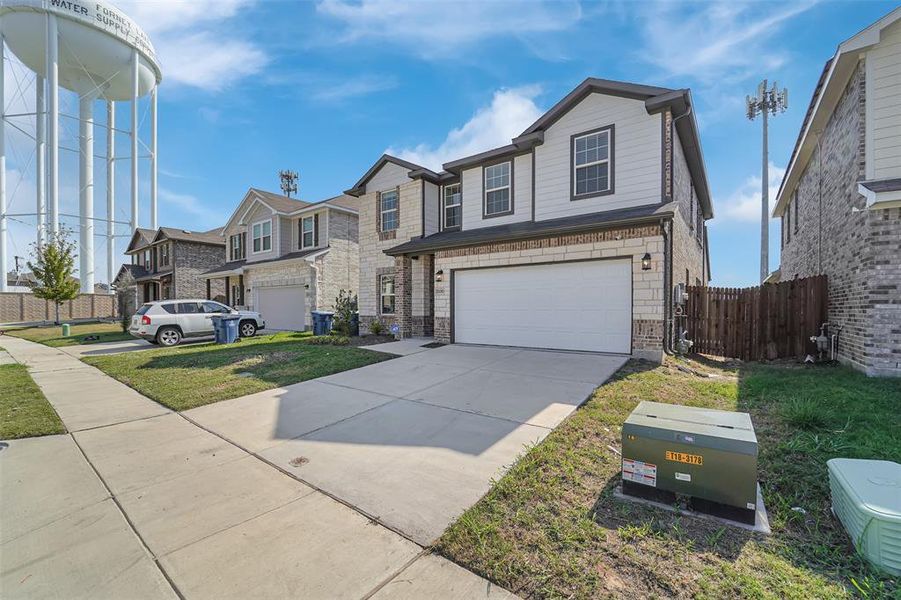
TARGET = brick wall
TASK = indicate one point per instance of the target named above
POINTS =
(26, 308)
(339, 268)
(373, 260)
(632, 242)
(190, 262)
(857, 249)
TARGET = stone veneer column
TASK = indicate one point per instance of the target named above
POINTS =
(403, 296)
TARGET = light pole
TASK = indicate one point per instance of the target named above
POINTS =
(774, 101)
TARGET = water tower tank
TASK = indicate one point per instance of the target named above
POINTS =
(96, 46)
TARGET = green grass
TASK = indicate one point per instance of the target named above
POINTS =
(53, 335)
(193, 375)
(24, 412)
(551, 528)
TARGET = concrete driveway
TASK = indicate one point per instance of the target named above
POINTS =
(331, 488)
(415, 441)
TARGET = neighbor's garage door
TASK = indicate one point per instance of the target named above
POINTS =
(282, 307)
(569, 306)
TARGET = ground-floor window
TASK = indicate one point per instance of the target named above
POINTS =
(237, 294)
(386, 294)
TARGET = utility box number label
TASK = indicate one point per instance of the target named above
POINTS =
(682, 457)
(641, 472)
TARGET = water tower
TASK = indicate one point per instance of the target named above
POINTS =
(94, 50)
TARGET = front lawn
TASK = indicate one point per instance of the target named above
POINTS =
(193, 375)
(52, 335)
(551, 528)
(24, 412)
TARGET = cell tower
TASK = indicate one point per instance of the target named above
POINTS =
(96, 51)
(767, 101)
(288, 182)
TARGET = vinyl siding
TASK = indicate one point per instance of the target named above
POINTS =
(637, 158)
(883, 81)
(473, 199)
(387, 178)
(432, 209)
(260, 213)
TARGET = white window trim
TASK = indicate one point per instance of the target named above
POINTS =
(382, 294)
(262, 237)
(312, 232)
(394, 210)
(576, 167)
(231, 239)
(445, 205)
(508, 187)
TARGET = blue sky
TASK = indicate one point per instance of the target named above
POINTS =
(251, 87)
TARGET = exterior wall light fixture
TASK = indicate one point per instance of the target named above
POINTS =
(646, 262)
(439, 276)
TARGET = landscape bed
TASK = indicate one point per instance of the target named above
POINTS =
(192, 375)
(552, 528)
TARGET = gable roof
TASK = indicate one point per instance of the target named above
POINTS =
(213, 236)
(140, 238)
(830, 86)
(283, 205)
(415, 171)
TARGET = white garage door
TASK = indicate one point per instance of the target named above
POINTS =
(282, 307)
(568, 306)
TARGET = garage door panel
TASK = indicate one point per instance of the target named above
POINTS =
(575, 306)
(282, 307)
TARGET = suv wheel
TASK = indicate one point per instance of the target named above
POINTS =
(248, 328)
(168, 336)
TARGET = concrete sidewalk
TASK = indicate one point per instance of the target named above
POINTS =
(138, 501)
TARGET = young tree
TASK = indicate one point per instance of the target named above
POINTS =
(53, 265)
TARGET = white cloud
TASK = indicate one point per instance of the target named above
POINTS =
(191, 205)
(510, 112)
(709, 41)
(743, 204)
(441, 28)
(353, 87)
(192, 41)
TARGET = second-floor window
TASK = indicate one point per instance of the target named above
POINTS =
(164, 255)
(498, 196)
(795, 202)
(591, 163)
(148, 261)
(236, 246)
(307, 232)
(262, 236)
(453, 206)
(388, 210)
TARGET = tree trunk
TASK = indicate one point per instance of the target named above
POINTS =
(57, 312)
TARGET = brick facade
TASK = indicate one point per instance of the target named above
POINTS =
(189, 263)
(831, 232)
(373, 260)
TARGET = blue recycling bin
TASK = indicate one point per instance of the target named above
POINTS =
(230, 328)
(225, 328)
(322, 322)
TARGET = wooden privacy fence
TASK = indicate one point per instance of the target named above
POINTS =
(771, 321)
(16, 307)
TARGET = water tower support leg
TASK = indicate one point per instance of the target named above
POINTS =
(3, 283)
(53, 119)
(86, 181)
(134, 141)
(153, 161)
(110, 191)
(40, 140)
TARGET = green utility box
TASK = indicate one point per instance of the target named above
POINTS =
(709, 455)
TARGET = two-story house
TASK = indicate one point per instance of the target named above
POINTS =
(840, 199)
(170, 263)
(285, 258)
(570, 237)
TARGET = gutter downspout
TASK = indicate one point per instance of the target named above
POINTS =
(666, 227)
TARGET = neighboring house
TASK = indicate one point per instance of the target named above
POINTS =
(571, 237)
(840, 200)
(285, 257)
(169, 263)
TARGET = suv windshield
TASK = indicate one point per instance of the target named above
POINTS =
(143, 309)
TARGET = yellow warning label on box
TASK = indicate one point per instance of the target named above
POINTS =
(682, 457)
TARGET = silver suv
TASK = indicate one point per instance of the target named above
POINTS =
(167, 322)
